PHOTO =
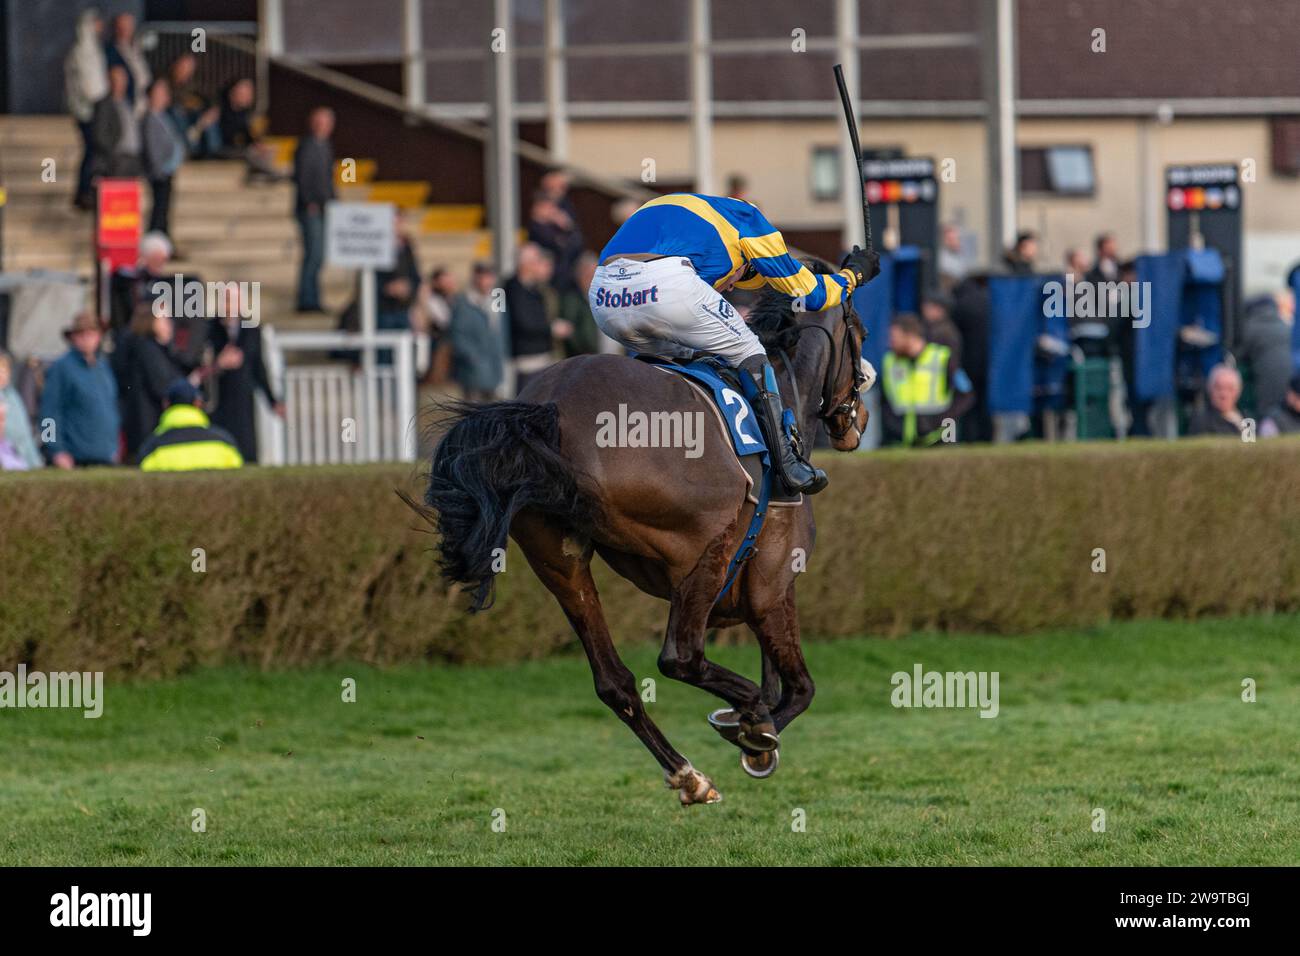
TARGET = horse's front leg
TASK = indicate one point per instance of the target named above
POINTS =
(778, 635)
(683, 658)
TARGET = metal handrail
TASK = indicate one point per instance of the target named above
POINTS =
(391, 101)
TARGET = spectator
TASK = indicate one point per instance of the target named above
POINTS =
(529, 304)
(398, 286)
(194, 115)
(79, 412)
(923, 386)
(16, 429)
(162, 150)
(115, 132)
(131, 285)
(185, 439)
(1076, 264)
(145, 368)
(313, 177)
(1020, 258)
(1126, 344)
(550, 227)
(124, 51)
(1265, 346)
(237, 140)
(1090, 337)
(10, 459)
(85, 76)
(555, 187)
(738, 188)
(238, 372)
(1222, 417)
(953, 263)
(1284, 419)
(431, 317)
(436, 298)
(1106, 267)
(970, 314)
(575, 309)
(939, 328)
(622, 210)
(477, 333)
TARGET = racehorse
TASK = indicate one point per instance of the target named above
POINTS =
(670, 523)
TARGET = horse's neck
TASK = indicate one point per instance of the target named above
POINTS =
(809, 363)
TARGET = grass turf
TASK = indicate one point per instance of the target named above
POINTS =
(1144, 720)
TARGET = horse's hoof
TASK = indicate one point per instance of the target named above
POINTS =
(760, 765)
(692, 786)
(761, 736)
(726, 723)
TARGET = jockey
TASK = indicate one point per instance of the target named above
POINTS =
(658, 288)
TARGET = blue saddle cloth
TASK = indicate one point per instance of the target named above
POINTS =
(737, 412)
(746, 439)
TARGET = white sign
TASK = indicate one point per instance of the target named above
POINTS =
(361, 235)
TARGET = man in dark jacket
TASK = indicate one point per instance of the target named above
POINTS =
(970, 316)
(114, 129)
(575, 308)
(1221, 416)
(313, 178)
(552, 228)
(144, 367)
(238, 372)
(1020, 258)
(1265, 345)
(1284, 419)
(530, 305)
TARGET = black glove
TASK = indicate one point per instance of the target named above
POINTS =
(865, 265)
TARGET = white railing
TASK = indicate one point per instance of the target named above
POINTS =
(336, 412)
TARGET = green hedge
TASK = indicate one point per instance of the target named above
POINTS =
(307, 565)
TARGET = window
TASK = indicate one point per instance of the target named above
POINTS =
(825, 173)
(1057, 170)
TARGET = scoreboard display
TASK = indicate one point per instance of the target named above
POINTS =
(1203, 209)
(908, 191)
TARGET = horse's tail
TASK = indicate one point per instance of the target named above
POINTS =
(496, 459)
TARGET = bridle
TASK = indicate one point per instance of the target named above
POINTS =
(839, 355)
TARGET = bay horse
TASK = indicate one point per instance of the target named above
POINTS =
(668, 522)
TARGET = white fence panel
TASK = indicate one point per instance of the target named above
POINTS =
(327, 416)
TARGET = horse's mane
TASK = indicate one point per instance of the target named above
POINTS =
(773, 320)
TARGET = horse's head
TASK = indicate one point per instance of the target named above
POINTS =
(780, 327)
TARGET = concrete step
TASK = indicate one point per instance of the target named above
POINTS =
(51, 131)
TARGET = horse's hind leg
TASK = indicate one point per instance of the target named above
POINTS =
(563, 564)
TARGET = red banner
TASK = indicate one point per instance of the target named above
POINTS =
(118, 222)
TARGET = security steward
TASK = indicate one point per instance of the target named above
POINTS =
(923, 386)
(185, 440)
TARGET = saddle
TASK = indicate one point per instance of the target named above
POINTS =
(731, 392)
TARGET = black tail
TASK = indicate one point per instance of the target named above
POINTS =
(496, 459)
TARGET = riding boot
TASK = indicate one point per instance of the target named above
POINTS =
(796, 474)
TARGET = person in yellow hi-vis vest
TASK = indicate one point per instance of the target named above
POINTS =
(185, 440)
(923, 386)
